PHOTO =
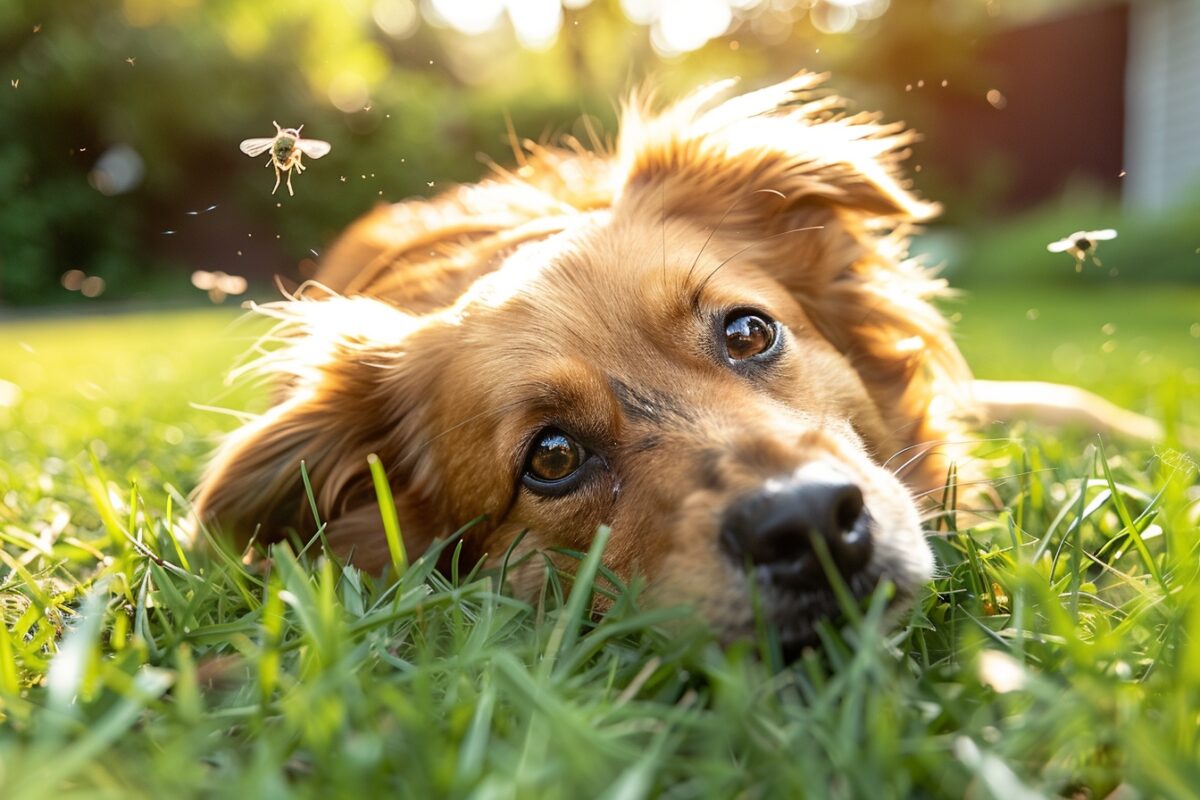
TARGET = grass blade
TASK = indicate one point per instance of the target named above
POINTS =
(387, 510)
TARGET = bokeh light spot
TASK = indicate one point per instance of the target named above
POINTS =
(348, 92)
(397, 18)
(118, 171)
(72, 279)
(92, 286)
(833, 17)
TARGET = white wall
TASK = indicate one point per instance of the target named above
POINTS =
(1162, 128)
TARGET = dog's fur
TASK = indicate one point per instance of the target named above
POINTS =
(586, 291)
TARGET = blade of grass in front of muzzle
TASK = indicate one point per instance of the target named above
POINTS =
(950, 500)
(387, 510)
(837, 583)
(566, 630)
(319, 536)
(308, 492)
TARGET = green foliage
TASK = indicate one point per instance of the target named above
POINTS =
(1161, 247)
(204, 77)
(182, 82)
(1055, 654)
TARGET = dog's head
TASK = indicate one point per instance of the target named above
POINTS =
(710, 341)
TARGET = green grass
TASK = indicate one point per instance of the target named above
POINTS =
(1058, 652)
(1139, 346)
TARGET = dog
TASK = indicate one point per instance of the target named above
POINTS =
(710, 339)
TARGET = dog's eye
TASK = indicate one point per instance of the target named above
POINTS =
(749, 334)
(552, 464)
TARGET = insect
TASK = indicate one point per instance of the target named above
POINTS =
(1082, 245)
(286, 147)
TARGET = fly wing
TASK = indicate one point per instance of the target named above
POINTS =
(1100, 236)
(1060, 246)
(314, 148)
(255, 147)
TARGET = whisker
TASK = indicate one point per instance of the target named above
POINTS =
(498, 410)
(931, 450)
(718, 268)
(721, 222)
(916, 459)
(940, 513)
(662, 215)
(982, 481)
(930, 446)
(241, 416)
(939, 442)
(958, 462)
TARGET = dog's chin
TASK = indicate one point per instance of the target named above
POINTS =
(796, 615)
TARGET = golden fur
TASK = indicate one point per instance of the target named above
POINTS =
(579, 291)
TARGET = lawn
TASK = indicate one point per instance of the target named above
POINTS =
(1057, 654)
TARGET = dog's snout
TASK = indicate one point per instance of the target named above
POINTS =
(777, 528)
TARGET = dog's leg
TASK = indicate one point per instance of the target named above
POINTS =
(1055, 404)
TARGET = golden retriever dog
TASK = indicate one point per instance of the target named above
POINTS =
(710, 339)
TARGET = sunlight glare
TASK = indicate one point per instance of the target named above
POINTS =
(10, 394)
(471, 17)
(640, 12)
(676, 26)
(1001, 671)
(536, 22)
(684, 26)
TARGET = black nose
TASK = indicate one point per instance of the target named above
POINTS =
(777, 526)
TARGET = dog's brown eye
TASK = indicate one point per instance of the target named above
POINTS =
(553, 458)
(748, 334)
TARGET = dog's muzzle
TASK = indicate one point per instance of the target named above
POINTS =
(778, 529)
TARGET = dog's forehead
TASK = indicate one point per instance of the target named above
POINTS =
(607, 276)
(535, 266)
(575, 285)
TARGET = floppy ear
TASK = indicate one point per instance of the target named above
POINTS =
(786, 138)
(815, 196)
(353, 376)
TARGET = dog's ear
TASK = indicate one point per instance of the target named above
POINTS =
(786, 140)
(814, 196)
(353, 372)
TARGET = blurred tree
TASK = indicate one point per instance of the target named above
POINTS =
(407, 95)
